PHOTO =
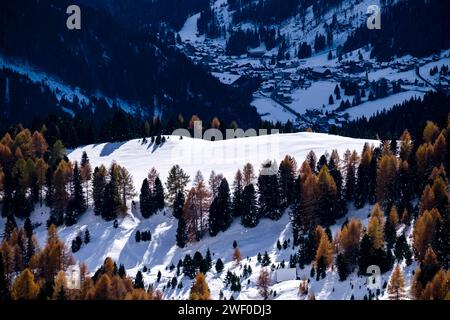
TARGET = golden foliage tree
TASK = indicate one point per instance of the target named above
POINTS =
(200, 289)
(103, 289)
(396, 286)
(430, 132)
(424, 160)
(24, 287)
(440, 149)
(406, 145)
(60, 286)
(349, 240)
(427, 200)
(424, 231)
(428, 269)
(393, 216)
(438, 288)
(40, 145)
(53, 257)
(375, 227)
(324, 253)
(386, 177)
(237, 257)
(263, 283)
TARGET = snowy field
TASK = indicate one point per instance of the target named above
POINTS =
(271, 110)
(221, 156)
(370, 108)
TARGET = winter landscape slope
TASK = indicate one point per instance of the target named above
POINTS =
(161, 252)
(224, 157)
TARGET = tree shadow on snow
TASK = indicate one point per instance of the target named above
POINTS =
(110, 147)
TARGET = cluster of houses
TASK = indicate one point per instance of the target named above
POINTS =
(280, 79)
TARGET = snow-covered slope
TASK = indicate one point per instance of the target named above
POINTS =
(221, 156)
(161, 252)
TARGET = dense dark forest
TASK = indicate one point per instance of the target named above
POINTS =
(267, 12)
(150, 12)
(410, 114)
(86, 122)
(241, 40)
(408, 27)
(129, 63)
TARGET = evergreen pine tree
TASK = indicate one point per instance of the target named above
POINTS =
(219, 266)
(77, 203)
(111, 204)
(10, 225)
(60, 201)
(98, 188)
(214, 218)
(208, 259)
(188, 267)
(250, 215)
(86, 174)
(269, 194)
(236, 205)
(286, 173)
(362, 186)
(178, 205)
(138, 236)
(158, 194)
(265, 262)
(177, 181)
(401, 248)
(4, 290)
(220, 216)
(182, 233)
(87, 236)
(139, 281)
(342, 267)
(146, 200)
(28, 228)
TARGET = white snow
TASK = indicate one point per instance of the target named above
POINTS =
(271, 110)
(221, 156)
(60, 89)
(370, 108)
(189, 32)
(314, 97)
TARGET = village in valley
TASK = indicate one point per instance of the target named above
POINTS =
(325, 89)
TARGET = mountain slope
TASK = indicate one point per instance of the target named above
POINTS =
(161, 251)
(117, 61)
